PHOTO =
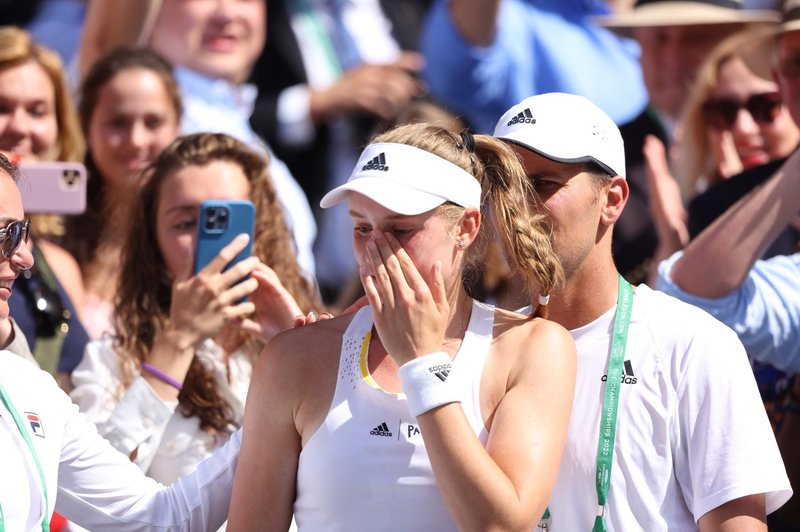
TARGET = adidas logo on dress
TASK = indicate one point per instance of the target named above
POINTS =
(627, 375)
(524, 117)
(442, 371)
(381, 430)
(377, 163)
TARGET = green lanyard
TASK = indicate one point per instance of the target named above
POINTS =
(608, 419)
(23, 430)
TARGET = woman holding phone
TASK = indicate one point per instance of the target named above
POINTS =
(426, 410)
(170, 386)
(38, 123)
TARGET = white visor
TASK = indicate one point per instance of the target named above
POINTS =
(407, 180)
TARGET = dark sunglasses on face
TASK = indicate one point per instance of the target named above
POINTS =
(721, 113)
(790, 66)
(12, 235)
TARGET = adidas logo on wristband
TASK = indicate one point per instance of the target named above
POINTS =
(442, 371)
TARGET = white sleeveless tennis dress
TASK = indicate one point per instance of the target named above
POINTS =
(366, 467)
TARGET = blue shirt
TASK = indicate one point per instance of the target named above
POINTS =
(216, 105)
(542, 46)
(764, 311)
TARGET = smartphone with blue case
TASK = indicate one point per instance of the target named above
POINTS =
(218, 223)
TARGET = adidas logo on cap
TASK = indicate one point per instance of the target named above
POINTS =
(442, 371)
(377, 163)
(524, 117)
(381, 430)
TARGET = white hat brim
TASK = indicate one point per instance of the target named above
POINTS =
(393, 195)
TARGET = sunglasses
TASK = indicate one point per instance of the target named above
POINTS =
(12, 235)
(721, 113)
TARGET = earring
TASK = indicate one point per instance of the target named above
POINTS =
(461, 244)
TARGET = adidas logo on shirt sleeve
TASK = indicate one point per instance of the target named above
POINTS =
(377, 163)
(524, 117)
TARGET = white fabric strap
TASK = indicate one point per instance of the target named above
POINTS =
(425, 382)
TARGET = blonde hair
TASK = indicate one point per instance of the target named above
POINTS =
(695, 167)
(506, 190)
(17, 47)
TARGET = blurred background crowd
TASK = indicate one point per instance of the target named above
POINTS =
(283, 94)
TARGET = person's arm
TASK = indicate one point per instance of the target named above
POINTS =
(100, 489)
(764, 310)
(476, 20)
(718, 260)
(746, 514)
(264, 489)
(108, 25)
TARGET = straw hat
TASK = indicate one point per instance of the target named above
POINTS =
(791, 16)
(689, 12)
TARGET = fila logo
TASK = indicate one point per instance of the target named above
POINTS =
(381, 430)
(627, 375)
(442, 371)
(377, 163)
(524, 117)
(36, 424)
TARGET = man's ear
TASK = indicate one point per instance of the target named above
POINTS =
(616, 196)
(467, 229)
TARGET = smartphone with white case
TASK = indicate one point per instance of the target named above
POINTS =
(52, 187)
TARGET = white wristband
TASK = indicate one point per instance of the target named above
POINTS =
(425, 382)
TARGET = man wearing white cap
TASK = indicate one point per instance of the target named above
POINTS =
(668, 431)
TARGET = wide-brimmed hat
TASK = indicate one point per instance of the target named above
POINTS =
(790, 20)
(649, 13)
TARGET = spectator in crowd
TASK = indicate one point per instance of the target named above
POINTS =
(675, 38)
(330, 71)
(482, 57)
(759, 299)
(129, 110)
(339, 443)
(170, 387)
(38, 123)
(213, 46)
(54, 458)
(734, 120)
(682, 421)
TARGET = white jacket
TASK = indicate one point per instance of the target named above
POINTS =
(88, 481)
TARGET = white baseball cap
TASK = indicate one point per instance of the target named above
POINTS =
(565, 128)
(407, 180)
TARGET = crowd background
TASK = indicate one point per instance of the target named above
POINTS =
(706, 111)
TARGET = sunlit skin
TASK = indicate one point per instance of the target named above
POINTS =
(217, 38)
(178, 204)
(10, 211)
(133, 120)
(571, 206)
(426, 237)
(28, 125)
(756, 143)
(671, 56)
(788, 53)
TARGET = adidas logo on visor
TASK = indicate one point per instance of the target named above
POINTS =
(524, 117)
(377, 163)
